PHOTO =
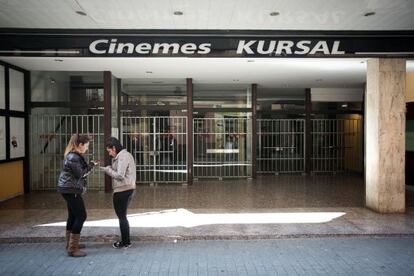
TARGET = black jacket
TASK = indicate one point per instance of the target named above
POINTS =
(72, 178)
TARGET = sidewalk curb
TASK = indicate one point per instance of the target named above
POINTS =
(200, 238)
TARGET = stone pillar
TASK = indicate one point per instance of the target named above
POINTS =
(385, 135)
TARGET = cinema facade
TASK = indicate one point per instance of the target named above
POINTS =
(181, 130)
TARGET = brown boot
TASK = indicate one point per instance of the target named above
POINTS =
(74, 250)
(81, 246)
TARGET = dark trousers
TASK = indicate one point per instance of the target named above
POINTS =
(121, 201)
(76, 212)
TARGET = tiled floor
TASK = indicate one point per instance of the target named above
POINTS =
(284, 191)
(269, 207)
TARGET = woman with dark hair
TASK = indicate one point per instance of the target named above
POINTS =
(123, 172)
(72, 184)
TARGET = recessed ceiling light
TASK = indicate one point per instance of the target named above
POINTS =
(275, 13)
(369, 13)
(81, 13)
(178, 13)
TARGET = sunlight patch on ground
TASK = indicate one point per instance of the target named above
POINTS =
(185, 218)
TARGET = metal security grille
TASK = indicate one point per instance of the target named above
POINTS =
(337, 145)
(159, 146)
(281, 145)
(49, 135)
(222, 147)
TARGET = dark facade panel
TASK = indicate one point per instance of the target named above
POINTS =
(245, 44)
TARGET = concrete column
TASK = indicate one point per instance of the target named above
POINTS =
(385, 135)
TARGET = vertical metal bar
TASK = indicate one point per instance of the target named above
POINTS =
(99, 145)
(221, 135)
(32, 153)
(235, 129)
(327, 146)
(274, 145)
(55, 155)
(189, 86)
(318, 135)
(353, 147)
(331, 155)
(43, 155)
(302, 144)
(334, 145)
(342, 144)
(107, 121)
(269, 146)
(338, 145)
(308, 129)
(259, 143)
(289, 138)
(287, 144)
(155, 149)
(322, 129)
(282, 136)
(314, 144)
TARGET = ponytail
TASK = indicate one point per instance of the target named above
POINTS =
(74, 141)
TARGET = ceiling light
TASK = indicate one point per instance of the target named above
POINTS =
(275, 13)
(369, 14)
(178, 13)
(81, 13)
(344, 105)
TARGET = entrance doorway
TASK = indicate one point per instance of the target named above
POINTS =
(222, 147)
(159, 146)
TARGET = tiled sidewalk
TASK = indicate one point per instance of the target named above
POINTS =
(319, 256)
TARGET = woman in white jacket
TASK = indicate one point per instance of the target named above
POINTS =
(123, 173)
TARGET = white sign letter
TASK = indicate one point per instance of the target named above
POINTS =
(245, 47)
(335, 49)
(303, 47)
(92, 47)
(321, 46)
